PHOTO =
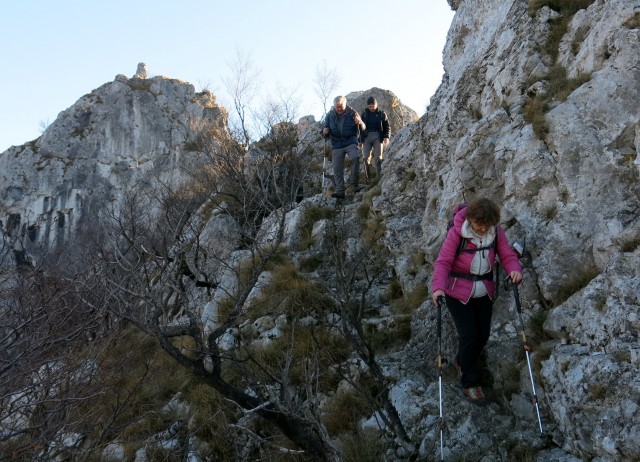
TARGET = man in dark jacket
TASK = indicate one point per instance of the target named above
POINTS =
(376, 137)
(343, 124)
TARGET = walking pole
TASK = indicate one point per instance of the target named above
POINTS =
(324, 164)
(366, 165)
(526, 348)
(440, 304)
(324, 160)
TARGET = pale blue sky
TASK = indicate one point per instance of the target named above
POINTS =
(54, 52)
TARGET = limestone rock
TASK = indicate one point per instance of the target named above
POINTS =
(124, 136)
(399, 115)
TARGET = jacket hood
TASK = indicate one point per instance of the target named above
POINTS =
(458, 220)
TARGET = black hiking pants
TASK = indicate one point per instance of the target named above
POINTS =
(473, 323)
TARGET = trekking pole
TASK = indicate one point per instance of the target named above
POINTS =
(366, 165)
(441, 302)
(526, 348)
(324, 165)
(324, 160)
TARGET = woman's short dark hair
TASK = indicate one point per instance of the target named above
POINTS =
(483, 211)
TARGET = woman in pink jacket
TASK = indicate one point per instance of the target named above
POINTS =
(465, 279)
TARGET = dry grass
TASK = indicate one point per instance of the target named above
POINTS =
(521, 452)
(363, 210)
(560, 87)
(136, 379)
(411, 301)
(578, 281)
(418, 259)
(598, 392)
(565, 7)
(293, 294)
(311, 215)
(395, 335)
(534, 112)
(311, 263)
(361, 446)
(630, 245)
(394, 290)
(633, 22)
(374, 229)
(536, 327)
(345, 411)
(309, 351)
(510, 380)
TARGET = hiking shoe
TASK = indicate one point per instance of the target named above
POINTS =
(475, 395)
(338, 195)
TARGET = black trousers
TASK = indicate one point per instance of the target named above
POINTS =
(473, 323)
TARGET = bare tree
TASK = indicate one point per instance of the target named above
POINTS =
(155, 264)
(43, 124)
(326, 81)
(160, 273)
(242, 86)
(48, 368)
(354, 276)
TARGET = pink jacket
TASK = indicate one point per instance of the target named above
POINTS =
(447, 261)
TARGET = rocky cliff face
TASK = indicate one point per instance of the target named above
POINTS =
(115, 140)
(565, 167)
(547, 128)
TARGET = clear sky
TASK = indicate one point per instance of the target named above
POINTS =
(54, 52)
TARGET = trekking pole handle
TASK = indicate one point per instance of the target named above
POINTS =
(441, 303)
(516, 296)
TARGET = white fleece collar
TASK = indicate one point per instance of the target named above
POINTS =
(477, 239)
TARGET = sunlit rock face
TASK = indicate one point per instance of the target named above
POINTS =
(569, 186)
(119, 138)
(572, 192)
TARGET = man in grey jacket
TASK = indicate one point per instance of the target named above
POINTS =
(343, 124)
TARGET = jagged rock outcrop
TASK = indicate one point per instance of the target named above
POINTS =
(571, 188)
(121, 137)
(399, 115)
(475, 139)
(592, 377)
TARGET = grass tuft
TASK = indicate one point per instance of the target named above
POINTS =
(633, 22)
(345, 410)
(598, 392)
(578, 281)
(408, 303)
(560, 87)
(361, 446)
(312, 215)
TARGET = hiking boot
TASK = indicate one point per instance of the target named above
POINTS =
(475, 395)
(338, 195)
(357, 189)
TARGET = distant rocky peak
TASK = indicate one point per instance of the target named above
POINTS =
(120, 137)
